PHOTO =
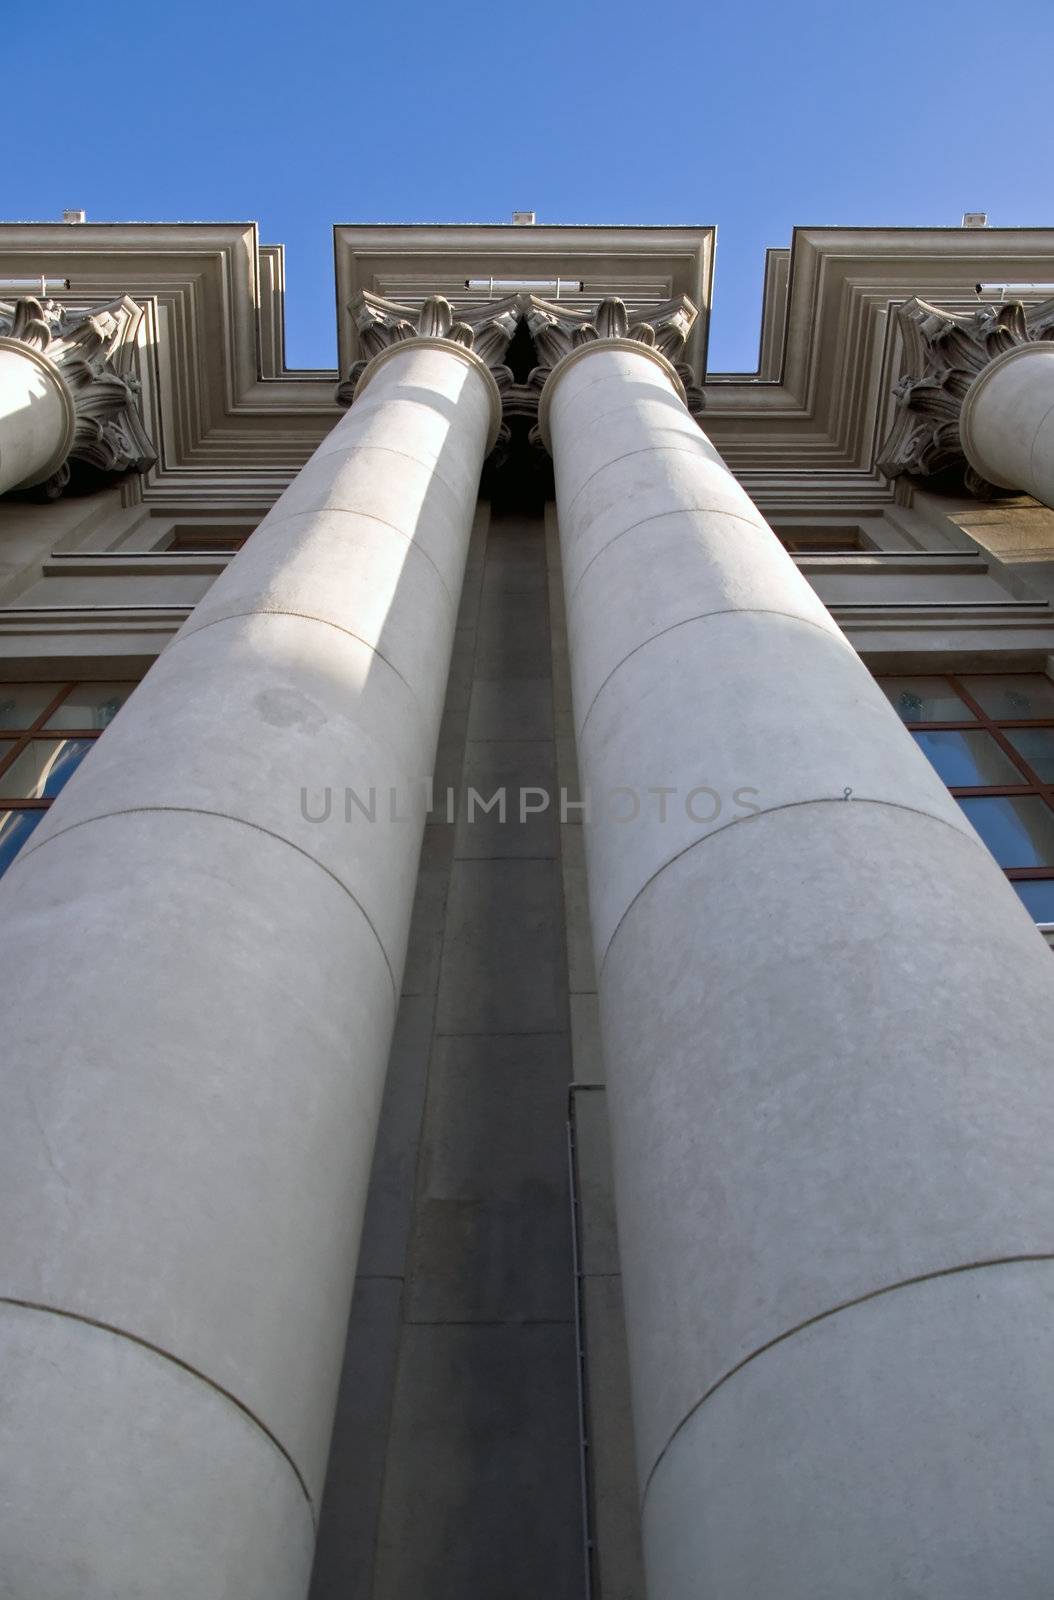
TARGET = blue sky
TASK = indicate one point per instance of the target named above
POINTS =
(752, 116)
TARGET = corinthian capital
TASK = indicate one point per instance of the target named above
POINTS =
(486, 330)
(944, 352)
(557, 330)
(90, 351)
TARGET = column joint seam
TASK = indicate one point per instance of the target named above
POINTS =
(389, 450)
(788, 805)
(1035, 441)
(702, 616)
(1038, 1256)
(176, 1361)
(677, 511)
(222, 816)
(605, 377)
(304, 616)
(645, 450)
(367, 516)
(596, 417)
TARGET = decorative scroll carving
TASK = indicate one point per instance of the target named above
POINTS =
(91, 351)
(485, 329)
(489, 328)
(519, 404)
(520, 399)
(944, 352)
(557, 330)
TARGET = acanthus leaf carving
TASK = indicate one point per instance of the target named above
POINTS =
(557, 330)
(486, 330)
(435, 318)
(944, 351)
(694, 394)
(612, 320)
(91, 349)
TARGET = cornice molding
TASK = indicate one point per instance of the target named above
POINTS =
(944, 353)
(87, 353)
(644, 266)
(232, 425)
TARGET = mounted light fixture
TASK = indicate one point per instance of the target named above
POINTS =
(539, 286)
(1012, 291)
(35, 285)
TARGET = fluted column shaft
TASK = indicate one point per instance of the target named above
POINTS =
(36, 417)
(1007, 421)
(826, 1027)
(200, 979)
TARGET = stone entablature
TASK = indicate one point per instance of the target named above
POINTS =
(802, 430)
(944, 352)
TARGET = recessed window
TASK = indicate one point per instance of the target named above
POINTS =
(823, 541)
(213, 539)
(990, 736)
(46, 730)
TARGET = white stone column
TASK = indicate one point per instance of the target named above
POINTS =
(36, 417)
(976, 397)
(200, 979)
(826, 1025)
(1007, 421)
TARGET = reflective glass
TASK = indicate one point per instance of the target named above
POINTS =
(1006, 695)
(1037, 747)
(42, 768)
(22, 703)
(1038, 897)
(91, 705)
(925, 700)
(968, 759)
(1018, 829)
(15, 829)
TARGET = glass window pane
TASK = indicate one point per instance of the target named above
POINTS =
(925, 700)
(1037, 747)
(1018, 829)
(1012, 694)
(1038, 897)
(968, 758)
(42, 768)
(91, 705)
(22, 703)
(15, 829)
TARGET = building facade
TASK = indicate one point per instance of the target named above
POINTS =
(540, 843)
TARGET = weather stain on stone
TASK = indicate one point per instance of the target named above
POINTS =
(287, 708)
